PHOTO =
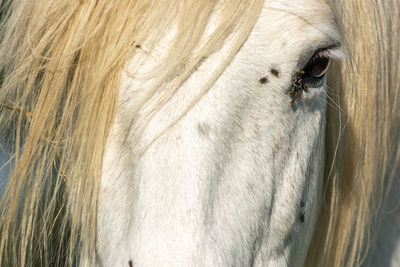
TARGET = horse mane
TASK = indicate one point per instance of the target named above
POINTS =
(61, 65)
(362, 132)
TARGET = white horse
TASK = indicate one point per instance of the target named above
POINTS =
(192, 133)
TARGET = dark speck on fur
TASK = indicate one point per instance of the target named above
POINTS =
(301, 217)
(263, 80)
(275, 72)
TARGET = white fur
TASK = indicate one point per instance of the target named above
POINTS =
(223, 187)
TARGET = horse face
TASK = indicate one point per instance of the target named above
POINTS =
(237, 181)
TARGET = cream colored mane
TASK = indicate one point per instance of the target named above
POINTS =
(61, 63)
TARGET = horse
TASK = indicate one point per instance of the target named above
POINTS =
(196, 133)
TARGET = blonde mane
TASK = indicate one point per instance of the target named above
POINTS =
(61, 63)
(362, 133)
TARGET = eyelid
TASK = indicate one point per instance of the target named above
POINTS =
(327, 49)
(335, 53)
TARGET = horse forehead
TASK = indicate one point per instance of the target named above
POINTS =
(304, 7)
(287, 29)
(299, 13)
(284, 29)
(305, 12)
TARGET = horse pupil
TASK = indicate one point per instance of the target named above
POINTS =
(318, 67)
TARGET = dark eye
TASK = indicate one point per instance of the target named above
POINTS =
(315, 69)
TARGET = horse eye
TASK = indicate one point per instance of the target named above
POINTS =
(313, 74)
(316, 67)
